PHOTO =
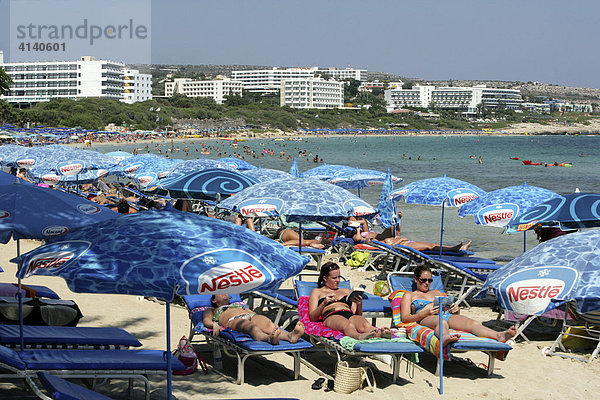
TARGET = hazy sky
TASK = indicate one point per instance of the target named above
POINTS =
(526, 40)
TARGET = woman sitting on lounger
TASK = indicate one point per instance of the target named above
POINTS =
(391, 238)
(418, 307)
(330, 303)
(240, 318)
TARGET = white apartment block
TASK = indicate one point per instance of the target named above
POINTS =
(218, 89)
(137, 87)
(40, 81)
(311, 93)
(269, 80)
(465, 99)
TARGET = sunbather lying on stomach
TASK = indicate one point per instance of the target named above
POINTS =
(389, 237)
(330, 303)
(240, 318)
(418, 307)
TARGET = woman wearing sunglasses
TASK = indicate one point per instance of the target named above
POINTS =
(418, 307)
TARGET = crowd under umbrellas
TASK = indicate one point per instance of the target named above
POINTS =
(244, 189)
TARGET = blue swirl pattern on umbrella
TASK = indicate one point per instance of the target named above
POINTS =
(573, 211)
(236, 163)
(207, 184)
(568, 266)
(523, 197)
(433, 191)
(267, 174)
(162, 253)
(10, 153)
(304, 199)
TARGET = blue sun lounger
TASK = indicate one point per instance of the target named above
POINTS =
(67, 337)
(465, 277)
(97, 364)
(492, 348)
(237, 344)
(60, 389)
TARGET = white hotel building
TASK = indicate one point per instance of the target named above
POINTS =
(39, 81)
(311, 93)
(269, 80)
(137, 87)
(218, 89)
(464, 99)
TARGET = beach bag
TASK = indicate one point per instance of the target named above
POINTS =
(357, 259)
(187, 355)
(350, 378)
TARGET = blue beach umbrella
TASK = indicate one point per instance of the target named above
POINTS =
(143, 163)
(236, 163)
(500, 207)
(197, 165)
(299, 199)
(164, 253)
(566, 268)
(388, 214)
(438, 192)
(573, 211)
(294, 171)
(324, 172)
(267, 174)
(10, 153)
(207, 184)
(359, 178)
(119, 156)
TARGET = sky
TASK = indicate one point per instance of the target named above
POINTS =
(527, 40)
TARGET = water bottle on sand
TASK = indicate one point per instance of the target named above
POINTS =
(218, 358)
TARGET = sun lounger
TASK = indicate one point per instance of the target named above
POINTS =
(583, 329)
(60, 389)
(237, 344)
(40, 311)
(462, 277)
(316, 254)
(67, 337)
(11, 289)
(401, 282)
(331, 340)
(101, 364)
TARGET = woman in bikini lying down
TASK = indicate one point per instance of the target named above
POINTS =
(391, 238)
(240, 318)
(330, 303)
(418, 307)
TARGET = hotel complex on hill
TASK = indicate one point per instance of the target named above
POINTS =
(465, 99)
(39, 81)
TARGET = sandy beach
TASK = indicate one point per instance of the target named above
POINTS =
(525, 374)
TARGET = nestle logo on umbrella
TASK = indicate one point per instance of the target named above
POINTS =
(50, 260)
(55, 230)
(26, 162)
(464, 198)
(531, 291)
(50, 178)
(89, 208)
(132, 168)
(362, 210)
(501, 215)
(226, 277)
(70, 169)
(144, 180)
(4, 214)
(257, 209)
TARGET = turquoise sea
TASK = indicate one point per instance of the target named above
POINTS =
(455, 156)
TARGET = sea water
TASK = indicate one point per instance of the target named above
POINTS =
(418, 157)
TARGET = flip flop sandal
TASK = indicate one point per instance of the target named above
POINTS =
(318, 384)
(330, 385)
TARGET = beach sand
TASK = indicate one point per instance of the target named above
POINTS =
(526, 374)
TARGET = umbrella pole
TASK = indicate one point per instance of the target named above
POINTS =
(168, 352)
(524, 242)
(20, 299)
(442, 228)
(299, 237)
(358, 190)
(439, 299)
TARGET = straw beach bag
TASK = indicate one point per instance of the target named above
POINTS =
(349, 378)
